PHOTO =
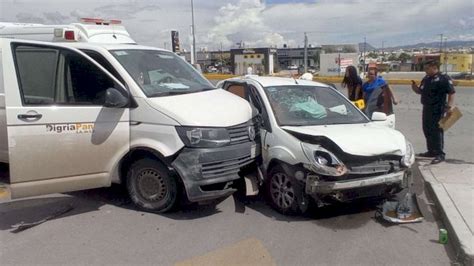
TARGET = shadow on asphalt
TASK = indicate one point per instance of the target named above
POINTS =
(36, 209)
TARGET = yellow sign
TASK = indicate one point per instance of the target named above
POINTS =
(359, 103)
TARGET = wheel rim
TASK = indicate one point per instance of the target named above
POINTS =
(151, 185)
(281, 191)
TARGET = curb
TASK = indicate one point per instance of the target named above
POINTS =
(458, 232)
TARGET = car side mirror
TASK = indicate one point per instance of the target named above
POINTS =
(115, 99)
(379, 116)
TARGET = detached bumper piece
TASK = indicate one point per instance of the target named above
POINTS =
(343, 190)
(208, 173)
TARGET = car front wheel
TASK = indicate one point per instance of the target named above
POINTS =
(151, 187)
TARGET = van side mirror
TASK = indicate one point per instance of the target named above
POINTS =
(115, 99)
(379, 116)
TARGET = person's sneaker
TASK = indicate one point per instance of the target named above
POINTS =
(426, 155)
(438, 159)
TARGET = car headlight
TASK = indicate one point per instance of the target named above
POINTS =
(203, 137)
(323, 161)
(409, 157)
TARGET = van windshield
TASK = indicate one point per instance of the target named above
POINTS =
(161, 73)
(297, 105)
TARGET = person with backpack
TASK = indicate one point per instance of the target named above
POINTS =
(377, 94)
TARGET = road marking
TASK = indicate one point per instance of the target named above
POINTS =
(246, 252)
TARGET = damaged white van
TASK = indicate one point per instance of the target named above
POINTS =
(318, 147)
(84, 112)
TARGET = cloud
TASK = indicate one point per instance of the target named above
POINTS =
(262, 23)
(28, 18)
(243, 22)
(55, 17)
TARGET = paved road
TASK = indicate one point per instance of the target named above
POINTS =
(103, 227)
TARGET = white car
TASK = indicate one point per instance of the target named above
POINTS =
(318, 147)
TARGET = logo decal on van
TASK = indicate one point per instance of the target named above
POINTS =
(70, 128)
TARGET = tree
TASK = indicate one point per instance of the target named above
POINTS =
(372, 55)
(392, 57)
(404, 57)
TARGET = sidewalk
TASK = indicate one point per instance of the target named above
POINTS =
(452, 185)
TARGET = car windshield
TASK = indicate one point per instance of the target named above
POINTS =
(298, 105)
(161, 73)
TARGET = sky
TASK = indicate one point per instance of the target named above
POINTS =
(263, 23)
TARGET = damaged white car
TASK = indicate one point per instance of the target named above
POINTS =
(318, 147)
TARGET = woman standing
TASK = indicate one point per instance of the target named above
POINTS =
(377, 94)
(353, 83)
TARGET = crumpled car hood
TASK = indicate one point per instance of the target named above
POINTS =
(359, 139)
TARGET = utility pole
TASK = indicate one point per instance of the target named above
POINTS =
(193, 28)
(222, 60)
(441, 43)
(445, 55)
(365, 43)
(305, 53)
(383, 42)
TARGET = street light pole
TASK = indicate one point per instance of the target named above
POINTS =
(193, 27)
(365, 43)
(305, 53)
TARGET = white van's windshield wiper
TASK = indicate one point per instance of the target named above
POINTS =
(172, 92)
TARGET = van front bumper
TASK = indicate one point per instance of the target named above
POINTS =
(208, 173)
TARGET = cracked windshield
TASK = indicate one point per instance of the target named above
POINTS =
(308, 105)
(161, 73)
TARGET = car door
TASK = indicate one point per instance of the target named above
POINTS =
(61, 137)
(250, 93)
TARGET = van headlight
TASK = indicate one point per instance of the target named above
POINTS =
(203, 137)
(323, 161)
(409, 157)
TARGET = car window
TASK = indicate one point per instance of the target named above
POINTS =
(36, 68)
(104, 63)
(84, 83)
(59, 76)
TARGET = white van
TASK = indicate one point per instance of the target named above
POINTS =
(80, 114)
(318, 147)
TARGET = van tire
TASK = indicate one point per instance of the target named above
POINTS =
(281, 191)
(151, 187)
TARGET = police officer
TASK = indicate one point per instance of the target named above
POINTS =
(434, 89)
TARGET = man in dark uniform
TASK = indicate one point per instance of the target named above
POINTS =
(434, 89)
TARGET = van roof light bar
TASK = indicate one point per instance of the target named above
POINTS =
(99, 21)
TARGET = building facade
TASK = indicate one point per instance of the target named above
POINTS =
(295, 57)
(456, 62)
(262, 60)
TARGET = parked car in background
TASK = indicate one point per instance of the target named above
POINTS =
(462, 75)
(317, 147)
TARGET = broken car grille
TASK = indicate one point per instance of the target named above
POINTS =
(225, 167)
(240, 133)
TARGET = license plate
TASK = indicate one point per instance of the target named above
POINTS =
(253, 151)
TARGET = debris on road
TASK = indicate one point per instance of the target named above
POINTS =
(23, 226)
(404, 211)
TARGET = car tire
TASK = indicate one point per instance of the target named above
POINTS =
(281, 191)
(151, 187)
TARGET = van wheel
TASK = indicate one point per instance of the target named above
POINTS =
(281, 192)
(151, 187)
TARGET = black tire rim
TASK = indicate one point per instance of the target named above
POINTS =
(281, 191)
(151, 185)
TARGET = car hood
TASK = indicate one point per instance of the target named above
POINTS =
(359, 139)
(214, 108)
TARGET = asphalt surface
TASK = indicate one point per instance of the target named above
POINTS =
(104, 228)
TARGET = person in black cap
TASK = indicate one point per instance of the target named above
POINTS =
(434, 89)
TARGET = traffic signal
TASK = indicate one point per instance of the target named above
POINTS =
(175, 41)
